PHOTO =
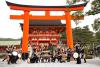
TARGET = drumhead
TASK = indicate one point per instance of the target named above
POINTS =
(75, 55)
(14, 53)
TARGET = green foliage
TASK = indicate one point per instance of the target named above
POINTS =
(98, 37)
(95, 8)
(96, 25)
(78, 14)
(71, 2)
(83, 35)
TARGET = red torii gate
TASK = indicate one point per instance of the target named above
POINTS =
(26, 17)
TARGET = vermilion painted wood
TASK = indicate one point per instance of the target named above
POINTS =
(47, 9)
(69, 30)
(25, 32)
(46, 17)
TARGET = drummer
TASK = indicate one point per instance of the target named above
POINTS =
(78, 50)
(14, 55)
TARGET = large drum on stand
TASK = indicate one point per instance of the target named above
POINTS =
(75, 55)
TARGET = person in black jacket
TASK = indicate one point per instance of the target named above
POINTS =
(68, 55)
(78, 50)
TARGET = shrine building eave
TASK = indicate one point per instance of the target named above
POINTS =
(40, 7)
(45, 23)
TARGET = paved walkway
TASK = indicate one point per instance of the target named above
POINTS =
(90, 63)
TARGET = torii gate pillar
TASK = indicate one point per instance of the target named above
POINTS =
(69, 30)
(25, 33)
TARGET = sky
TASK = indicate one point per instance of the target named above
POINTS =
(11, 28)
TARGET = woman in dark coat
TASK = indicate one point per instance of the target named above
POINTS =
(78, 50)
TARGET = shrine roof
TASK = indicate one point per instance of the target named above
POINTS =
(45, 23)
(41, 6)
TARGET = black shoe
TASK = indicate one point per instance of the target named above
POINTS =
(8, 62)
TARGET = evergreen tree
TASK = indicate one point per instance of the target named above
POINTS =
(83, 35)
(95, 8)
(96, 25)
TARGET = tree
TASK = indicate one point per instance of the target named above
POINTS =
(83, 35)
(96, 28)
(96, 25)
(98, 37)
(86, 27)
(78, 14)
(95, 8)
(71, 2)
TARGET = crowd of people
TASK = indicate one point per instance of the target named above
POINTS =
(58, 55)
